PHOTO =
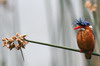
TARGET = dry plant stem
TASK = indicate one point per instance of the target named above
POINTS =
(61, 47)
(22, 54)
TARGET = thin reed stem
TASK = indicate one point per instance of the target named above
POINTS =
(61, 47)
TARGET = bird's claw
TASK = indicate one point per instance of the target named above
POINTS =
(81, 50)
(89, 52)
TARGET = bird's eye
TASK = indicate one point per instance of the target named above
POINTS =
(91, 27)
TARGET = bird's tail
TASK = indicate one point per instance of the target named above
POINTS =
(88, 56)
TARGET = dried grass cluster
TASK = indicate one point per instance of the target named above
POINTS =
(17, 41)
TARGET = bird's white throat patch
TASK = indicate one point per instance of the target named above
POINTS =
(91, 27)
(81, 29)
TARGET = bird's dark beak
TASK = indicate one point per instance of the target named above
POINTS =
(77, 27)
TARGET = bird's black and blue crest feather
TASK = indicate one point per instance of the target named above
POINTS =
(81, 22)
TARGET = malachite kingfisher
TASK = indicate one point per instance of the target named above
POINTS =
(85, 37)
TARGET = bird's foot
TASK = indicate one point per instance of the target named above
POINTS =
(89, 52)
(81, 50)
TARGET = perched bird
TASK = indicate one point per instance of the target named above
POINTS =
(85, 37)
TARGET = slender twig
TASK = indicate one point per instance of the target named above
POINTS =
(61, 47)
(22, 54)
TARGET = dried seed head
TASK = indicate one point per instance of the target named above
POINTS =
(17, 34)
(25, 42)
(14, 37)
(9, 42)
(2, 1)
(4, 39)
(88, 4)
(93, 8)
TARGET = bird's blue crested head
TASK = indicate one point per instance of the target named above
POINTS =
(81, 22)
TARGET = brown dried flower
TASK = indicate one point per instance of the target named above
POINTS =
(10, 42)
(90, 6)
(3, 1)
(93, 8)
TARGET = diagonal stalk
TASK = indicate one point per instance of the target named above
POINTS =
(61, 47)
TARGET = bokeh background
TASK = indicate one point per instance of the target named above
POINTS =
(48, 21)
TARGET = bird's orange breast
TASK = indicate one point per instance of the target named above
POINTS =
(85, 40)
